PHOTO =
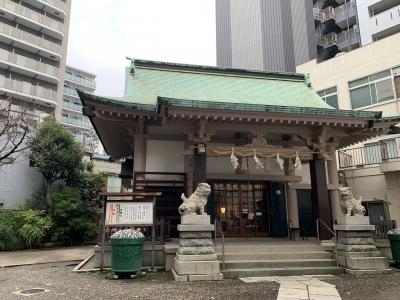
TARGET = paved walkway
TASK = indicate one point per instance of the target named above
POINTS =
(305, 287)
(31, 257)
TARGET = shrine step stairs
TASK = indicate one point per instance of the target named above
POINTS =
(273, 257)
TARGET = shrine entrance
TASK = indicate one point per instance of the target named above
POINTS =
(242, 208)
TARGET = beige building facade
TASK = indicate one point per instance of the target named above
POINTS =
(367, 79)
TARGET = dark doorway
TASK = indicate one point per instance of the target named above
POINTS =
(306, 220)
(278, 210)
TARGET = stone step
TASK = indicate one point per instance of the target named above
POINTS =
(288, 263)
(276, 255)
(367, 263)
(259, 272)
(266, 248)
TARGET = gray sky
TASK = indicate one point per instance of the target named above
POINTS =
(104, 32)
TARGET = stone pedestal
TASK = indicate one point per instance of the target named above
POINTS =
(356, 248)
(195, 259)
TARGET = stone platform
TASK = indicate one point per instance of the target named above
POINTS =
(196, 259)
(357, 252)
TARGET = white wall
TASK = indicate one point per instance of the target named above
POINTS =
(364, 22)
(164, 156)
(18, 182)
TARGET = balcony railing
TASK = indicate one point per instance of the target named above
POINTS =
(56, 3)
(77, 122)
(371, 154)
(340, 39)
(339, 13)
(31, 14)
(72, 106)
(27, 88)
(80, 80)
(30, 38)
(28, 62)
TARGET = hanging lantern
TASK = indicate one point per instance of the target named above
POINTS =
(234, 160)
(280, 161)
(258, 162)
(297, 163)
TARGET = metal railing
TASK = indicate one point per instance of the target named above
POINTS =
(319, 221)
(56, 3)
(339, 39)
(27, 88)
(375, 153)
(218, 225)
(28, 62)
(72, 106)
(30, 38)
(76, 122)
(32, 15)
(382, 228)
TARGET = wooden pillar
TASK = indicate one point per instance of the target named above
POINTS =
(320, 196)
(139, 154)
(334, 181)
(188, 168)
(292, 205)
(200, 166)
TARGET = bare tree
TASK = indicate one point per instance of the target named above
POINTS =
(14, 130)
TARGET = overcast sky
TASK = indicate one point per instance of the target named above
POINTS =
(104, 32)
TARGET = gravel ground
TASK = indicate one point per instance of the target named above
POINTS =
(368, 287)
(64, 284)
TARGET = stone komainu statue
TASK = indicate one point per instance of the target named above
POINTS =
(196, 202)
(349, 203)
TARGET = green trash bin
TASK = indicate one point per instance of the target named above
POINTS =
(394, 238)
(126, 252)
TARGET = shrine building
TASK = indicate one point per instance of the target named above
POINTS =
(264, 141)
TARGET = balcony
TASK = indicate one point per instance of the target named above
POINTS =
(29, 41)
(71, 91)
(80, 80)
(28, 66)
(72, 106)
(77, 122)
(26, 91)
(52, 27)
(348, 39)
(56, 3)
(385, 153)
(385, 23)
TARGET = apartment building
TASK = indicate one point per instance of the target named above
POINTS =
(367, 79)
(71, 114)
(378, 19)
(278, 35)
(33, 46)
(336, 27)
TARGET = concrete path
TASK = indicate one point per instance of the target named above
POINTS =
(307, 287)
(31, 257)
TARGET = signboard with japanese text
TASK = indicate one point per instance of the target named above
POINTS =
(129, 213)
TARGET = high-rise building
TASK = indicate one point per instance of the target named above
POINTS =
(33, 46)
(378, 19)
(278, 35)
(274, 35)
(71, 115)
(33, 50)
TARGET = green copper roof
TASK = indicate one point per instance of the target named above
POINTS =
(147, 80)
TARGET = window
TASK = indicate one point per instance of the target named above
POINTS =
(372, 89)
(113, 184)
(330, 96)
